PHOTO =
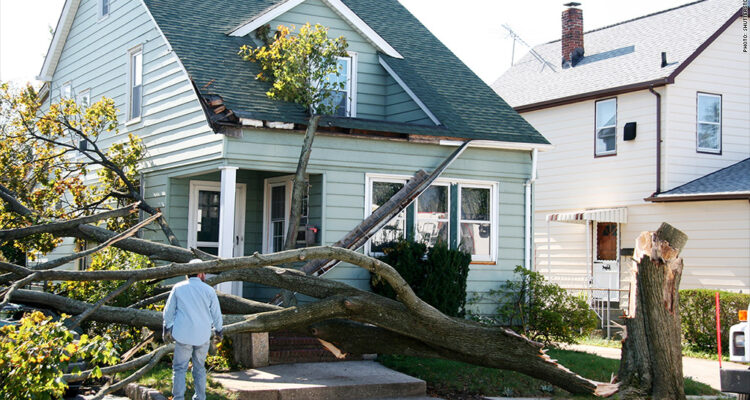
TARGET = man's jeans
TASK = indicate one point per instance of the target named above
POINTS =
(182, 355)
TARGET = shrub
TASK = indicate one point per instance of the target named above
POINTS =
(541, 310)
(437, 276)
(698, 313)
(36, 353)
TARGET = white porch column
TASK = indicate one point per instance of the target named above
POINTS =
(226, 224)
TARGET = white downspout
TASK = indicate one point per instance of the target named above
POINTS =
(528, 186)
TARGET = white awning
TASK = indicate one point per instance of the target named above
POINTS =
(618, 215)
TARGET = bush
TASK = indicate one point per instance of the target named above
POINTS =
(36, 353)
(541, 310)
(439, 278)
(698, 313)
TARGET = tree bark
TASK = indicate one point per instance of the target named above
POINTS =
(299, 182)
(651, 365)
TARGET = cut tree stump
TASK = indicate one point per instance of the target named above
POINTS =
(651, 363)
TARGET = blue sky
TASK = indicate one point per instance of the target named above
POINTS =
(472, 29)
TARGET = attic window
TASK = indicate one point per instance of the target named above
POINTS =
(345, 99)
(103, 7)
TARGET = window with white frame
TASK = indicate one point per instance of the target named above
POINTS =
(136, 82)
(433, 215)
(66, 90)
(343, 94)
(381, 190)
(103, 8)
(430, 218)
(708, 135)
(84, 98)
(476, 221)
(606, 128)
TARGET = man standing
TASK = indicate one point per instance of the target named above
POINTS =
(191, 310)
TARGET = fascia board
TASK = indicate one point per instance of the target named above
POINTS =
(58, 41)
(492, 144)
(339, 7)
(408, 90)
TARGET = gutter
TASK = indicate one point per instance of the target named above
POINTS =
(658, 141)
(698, 197)
(528, 189)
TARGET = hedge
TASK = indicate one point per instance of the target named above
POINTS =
(437, 276)
(698, 313)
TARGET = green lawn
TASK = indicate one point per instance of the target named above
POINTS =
(160, 378)
(451, 379)
(687, 350)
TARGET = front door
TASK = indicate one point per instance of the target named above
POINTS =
(203, 217)
(606, 273)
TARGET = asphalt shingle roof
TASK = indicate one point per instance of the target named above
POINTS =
(619, 55)
(732, 179)
(465, 106)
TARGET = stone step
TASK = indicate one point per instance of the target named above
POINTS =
(314, 381)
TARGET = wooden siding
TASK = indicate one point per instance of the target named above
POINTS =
(95, 57)
(721, 69)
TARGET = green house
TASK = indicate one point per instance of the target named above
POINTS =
(221, 154)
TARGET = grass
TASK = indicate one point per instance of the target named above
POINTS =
(455, 380)
(687, 351)
(160, 378)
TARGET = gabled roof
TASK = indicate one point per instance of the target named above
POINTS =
(457, 98)
(618, 58)
(732, 182)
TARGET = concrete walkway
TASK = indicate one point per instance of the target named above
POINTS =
(701, 370)
(338, 380)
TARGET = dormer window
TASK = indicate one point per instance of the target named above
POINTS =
(345, 97)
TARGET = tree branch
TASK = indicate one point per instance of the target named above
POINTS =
(82, 316)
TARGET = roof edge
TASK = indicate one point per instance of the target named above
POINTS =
(699, 197)
(634, 87)
(408, 90)
(62, 29)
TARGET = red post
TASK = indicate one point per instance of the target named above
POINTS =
(718, 326)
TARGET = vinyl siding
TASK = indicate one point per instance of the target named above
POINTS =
(96, 58)
(721, 69)
(400, 107)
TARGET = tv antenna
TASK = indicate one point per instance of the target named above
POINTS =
(533, 52)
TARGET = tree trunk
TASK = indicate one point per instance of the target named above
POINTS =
(651, 364)
(299, 182)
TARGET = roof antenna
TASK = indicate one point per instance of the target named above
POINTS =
(533, 52)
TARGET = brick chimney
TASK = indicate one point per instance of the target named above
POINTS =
(572, 35)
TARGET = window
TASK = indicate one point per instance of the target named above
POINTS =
(460, 213)
(276, 210)
(136, 82)
(606, 241)
(433, 215)
(395, 229)
(343, 97)
(103, 8)
(84, 98)
(475, 222)
(708, 138)
(606, 128)
(66, 90)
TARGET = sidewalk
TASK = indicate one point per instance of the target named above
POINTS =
(701, 370)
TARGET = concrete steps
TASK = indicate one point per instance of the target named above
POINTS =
(320, 381)
(290, 347)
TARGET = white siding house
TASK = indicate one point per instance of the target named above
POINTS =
(680, 77)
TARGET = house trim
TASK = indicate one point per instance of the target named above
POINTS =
(338, 7)
(699, 197)
(408, 90)
(58, 41)
(499, 145)
(635, 86)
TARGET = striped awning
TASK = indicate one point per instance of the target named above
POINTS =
(618, 215)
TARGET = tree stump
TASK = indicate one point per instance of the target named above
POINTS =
(651, 363)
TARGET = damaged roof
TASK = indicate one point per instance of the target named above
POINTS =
(622, 56)
(465, 106)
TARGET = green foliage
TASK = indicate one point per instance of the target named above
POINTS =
(125, 337)
(36, 353)
(439, 278)
(698, 314)
(541, 310)
(300, 66)
(41, 163)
